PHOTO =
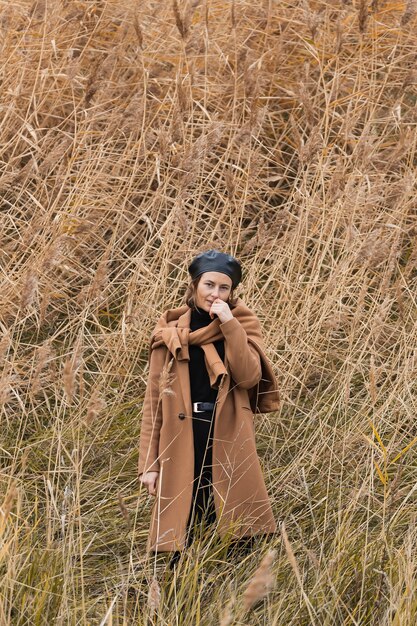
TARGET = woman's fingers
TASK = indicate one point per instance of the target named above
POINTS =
(152, 486)
(214, 302)
(150, 482)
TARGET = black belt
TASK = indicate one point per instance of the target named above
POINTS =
(204, 406)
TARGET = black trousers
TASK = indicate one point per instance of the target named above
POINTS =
(202, 503)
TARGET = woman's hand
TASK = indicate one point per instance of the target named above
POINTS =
(222, 310)
(149, 479)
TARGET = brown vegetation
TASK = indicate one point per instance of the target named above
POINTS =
(132, 136)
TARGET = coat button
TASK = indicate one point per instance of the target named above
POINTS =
(181, 416)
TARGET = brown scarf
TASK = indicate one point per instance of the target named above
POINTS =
(264, 396)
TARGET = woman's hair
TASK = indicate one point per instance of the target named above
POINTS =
(191, 291)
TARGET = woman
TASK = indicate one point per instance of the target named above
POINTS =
(208, 375)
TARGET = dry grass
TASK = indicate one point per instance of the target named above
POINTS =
(133, 135)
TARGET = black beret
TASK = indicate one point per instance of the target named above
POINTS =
(215, 261)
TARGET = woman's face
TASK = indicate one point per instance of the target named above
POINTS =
(212, 285)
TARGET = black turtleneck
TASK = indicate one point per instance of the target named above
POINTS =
(201, 391)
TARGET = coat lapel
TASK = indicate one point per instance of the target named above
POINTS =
(182, 367)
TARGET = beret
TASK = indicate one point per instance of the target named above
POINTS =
(216, 261)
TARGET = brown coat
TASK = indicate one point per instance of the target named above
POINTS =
(166, 442)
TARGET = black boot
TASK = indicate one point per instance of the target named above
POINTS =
(174, 559)
(241, 547)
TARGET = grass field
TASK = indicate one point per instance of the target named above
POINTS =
(132, 136)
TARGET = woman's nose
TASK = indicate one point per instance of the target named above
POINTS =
(215, 292)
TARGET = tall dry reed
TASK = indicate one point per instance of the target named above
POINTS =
(132, 136)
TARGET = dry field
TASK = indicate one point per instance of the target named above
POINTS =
(134, 134)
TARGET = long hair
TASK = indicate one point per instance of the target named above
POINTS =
(192, 289)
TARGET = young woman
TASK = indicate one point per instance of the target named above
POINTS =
(208, 376)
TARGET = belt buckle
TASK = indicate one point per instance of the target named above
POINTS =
(195, 407)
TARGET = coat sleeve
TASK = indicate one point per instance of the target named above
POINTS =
(151, 416)
(243, 359)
